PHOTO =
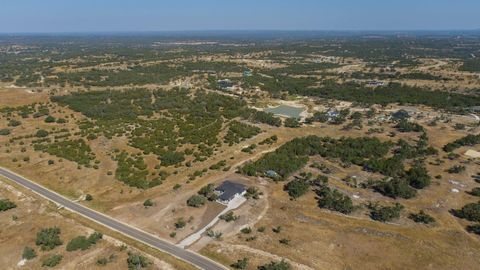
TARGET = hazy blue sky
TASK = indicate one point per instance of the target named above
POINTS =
(160, 15)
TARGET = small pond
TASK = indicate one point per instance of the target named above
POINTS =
(285, 110)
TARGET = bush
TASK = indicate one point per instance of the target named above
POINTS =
(385, 213)
(297, 188)
(180, 223)
(148, 203)
(474, 229)
(475, 192)
(14, 123)
(6, 204)
(418, 177)
(28, 253)
(50, 119)
(456, 169)
(246, 230)
(136, 261)
(196, 201)
(334, 200)
(396, 188)
(49, 238)
(88, 197)
(240, 264)
(292, 123)
(230, 216)
(83, 243)
(252, 192)
(421, 217)
(41, 133)
(4, 132)
(275, 266)
(470, 212)
(52, 260)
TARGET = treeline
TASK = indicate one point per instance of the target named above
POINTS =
(77, 151)
(238, 132)
(293, 155)
(472, 65)
(391, 93)
(469, 140)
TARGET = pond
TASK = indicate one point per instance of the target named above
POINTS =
(285, 110)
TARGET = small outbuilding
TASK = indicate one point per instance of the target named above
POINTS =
(229, 190)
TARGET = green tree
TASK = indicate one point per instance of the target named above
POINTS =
(49, 238)
(148, 203)
(52, 260)
(421, 217)
(283, 265)
(28, 253)
(41, 133)
(297, 188)
(136, 261)
(6, 204)
(50, 119)
(240, 264)
(196, 201)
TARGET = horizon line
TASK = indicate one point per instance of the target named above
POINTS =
(237, 30)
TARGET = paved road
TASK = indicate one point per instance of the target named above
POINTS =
(149, 239)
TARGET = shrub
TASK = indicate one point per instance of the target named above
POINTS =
(334, 200)
(49, 238)
(385, 213)
(240, 264)
(28, 253)
(275, 266)
(395, 188)
(252, 192)
(41, 133)
(136, 261)
(470, 212)
(83, 243)
(6, 204)
(246, 230)
(421, 217)
(456, 169)
(4, 132)
(474, 229)
(230, 216)
(196, 201)
(292, 123)
(475, 192)
(418, 177)
(50, 119)
(52, 260)
(14, 123)
(180, 223)
(148, 203)
(284, 241)
(88, 197)
(297, 188)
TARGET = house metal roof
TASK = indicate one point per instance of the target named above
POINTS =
(229, 189)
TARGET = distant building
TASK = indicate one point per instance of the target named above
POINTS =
(400, 115)
(375, 83)
(229, 190)
(247, 73)
(224, 84)
(475, 109)
(272, 174)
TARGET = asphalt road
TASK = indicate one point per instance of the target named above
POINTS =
(149, 239)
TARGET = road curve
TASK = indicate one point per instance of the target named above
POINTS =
(144, 237)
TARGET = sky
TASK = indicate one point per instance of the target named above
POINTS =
(42, 16)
